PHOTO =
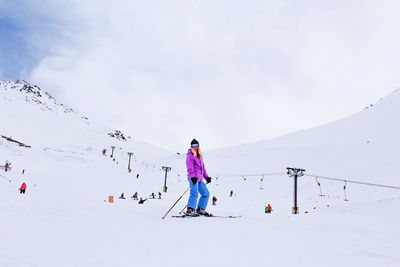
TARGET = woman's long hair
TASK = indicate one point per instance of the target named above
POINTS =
(196, 153)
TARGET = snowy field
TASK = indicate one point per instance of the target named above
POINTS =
(64, 219)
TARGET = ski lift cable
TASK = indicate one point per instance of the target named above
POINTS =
(314, 176)
(353, 181)
(251, 175)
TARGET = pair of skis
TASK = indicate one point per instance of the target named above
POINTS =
(186, 216)
(210, 216)
(183, 214)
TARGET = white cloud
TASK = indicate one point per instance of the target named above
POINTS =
(224, 72)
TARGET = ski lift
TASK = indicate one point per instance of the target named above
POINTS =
(344, 190)
(262, 179)
(319, 185)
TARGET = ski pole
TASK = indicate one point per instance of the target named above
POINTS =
(176, 202)
(183, 209)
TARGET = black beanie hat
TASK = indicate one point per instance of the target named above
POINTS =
(194, 141)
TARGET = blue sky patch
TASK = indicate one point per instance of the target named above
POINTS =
(17, 55)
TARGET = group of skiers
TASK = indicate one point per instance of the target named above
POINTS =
(153, 196)
(141, 200)
(197, 179)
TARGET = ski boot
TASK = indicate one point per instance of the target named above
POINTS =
(203, 212)
(191, 213)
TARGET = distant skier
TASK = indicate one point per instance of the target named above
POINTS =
(152, 195)
(104, 151)
(22, 188)
(122, 196)
(137, 176)
(231, 194)
(159, 195)
(268, 208)
(7, 166)
(196, 175)
(214, 200)
(135, 196)
(141, 201)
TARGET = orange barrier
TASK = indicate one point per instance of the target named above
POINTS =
(110, 199)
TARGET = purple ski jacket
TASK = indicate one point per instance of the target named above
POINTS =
(195, 166)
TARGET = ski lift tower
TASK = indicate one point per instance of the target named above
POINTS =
(295, 173)
(166, 169)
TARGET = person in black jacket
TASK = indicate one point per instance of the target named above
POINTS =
(141, 201)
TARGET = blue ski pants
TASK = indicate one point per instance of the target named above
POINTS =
(195, 189)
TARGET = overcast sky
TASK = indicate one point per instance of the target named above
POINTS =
(223, 71)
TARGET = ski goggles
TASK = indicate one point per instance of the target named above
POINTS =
(195, 145)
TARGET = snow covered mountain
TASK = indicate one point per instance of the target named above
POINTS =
(33, 94)
(64, 219)
(32, 116)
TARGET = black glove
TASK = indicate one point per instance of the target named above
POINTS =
(208, 179)
(194, 180)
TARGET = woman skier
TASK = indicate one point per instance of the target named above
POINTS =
(196, 175)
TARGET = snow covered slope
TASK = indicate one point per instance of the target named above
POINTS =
(64, 219)
(362, 146)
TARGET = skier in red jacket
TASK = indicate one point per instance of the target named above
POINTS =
(22, 188)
